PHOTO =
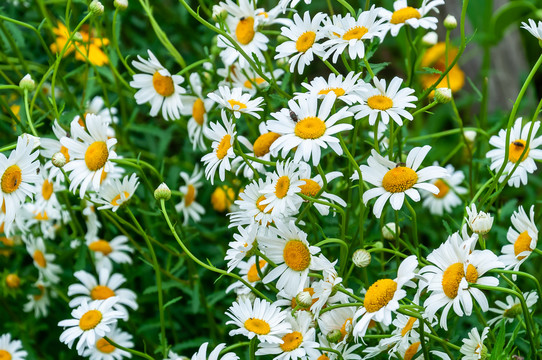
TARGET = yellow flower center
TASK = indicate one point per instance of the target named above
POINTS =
(296, 255)
(408, 326)
(101, 246)
(117, 201)
(39, 258)
(90, 320)
(252, 274)
(96, 155)
(514, 311)
(258, 81)
(323, 357)
(516, 149)
(104, 346)
(402, 15)
(64, 151)
(443, 189)
(291, 341)
(399, 179)
(40, 295)
(451, 278)
(4, 355)
(310, 128)
(42, 216)
(472, 274)
(305, 41)
(245, 30)
(163, 84)
(337, 91)
(283, 184)
(236, 105)
(379, 295)
(380, 102)
(411, 351)
(198, 111)
(310, 188)
(257, 326)
(222, 198)
(343, 328)
(11, 179)
(263, 143)
(223, 147)
(190, 195)
(13, 281)
(355, 33)
(522, 243)
(101, 292)
(261, 206)
(47, 189)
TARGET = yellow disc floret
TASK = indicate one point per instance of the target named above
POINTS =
(451, 278)
(355, 33)
(96, 155)
(522, 243)
(283, 184)
(379, 295)
(404, 14)
(104, 346)
(380, 102)
(39, 258)
(263, 143)
(47, 189)
(399, 179)
(5, 355)
(223, 147)
(117, 201)
(252, 274)
(198, 111)
(291, 341)
(310, 188)
(101, 246)
(296, 255)
(310, 128)
(305, 41)
(90, 320)
(11, 179)
(516, 149)
(408, 326)
(163, 84)
(443, 189)
(245, 30)
(257, 326)
(337, 91)
(411, 351)
(101, 292)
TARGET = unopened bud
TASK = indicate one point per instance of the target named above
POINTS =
(162, 192)
(282, 61)
(219, 13)
(479, 222)
(443, 95)
(470, 135)
(430, 39)
(334, 336)
(77, 37)
(450, 22)
(13, 281)
(58, 159)
(27, 83)
(388, 231)
(96, 8)
(361, 258)
(248, 296)
(304, 299)
(121, 4)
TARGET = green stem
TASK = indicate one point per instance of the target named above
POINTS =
(28, 114)
(131, 351)
(414, 228)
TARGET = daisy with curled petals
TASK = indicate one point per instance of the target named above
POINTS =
(103, 350)
(323, 289)
(50, 146)
(533, 28)
(455, 265)
(241, 246)
(92, 152)
(393, 181)
(262, 319)
(196, 106)
(201, 354)
(297, 344)
(523, 238)
(351, 33)
(382, 297)
(237, 102)
(242, 23)
(11, 349)
(346, 89)
(90, 321)
(39, 303)
(313, 130)
(406, 15)
(115, 193)
(287, 246)
(107, 285)
(158, 87)
(188, 206)
(390, 102)
(260, 150)
(341, 319)
(42, 259)
(248, 80)
(313, 186)
(280, 195)
(303, 35)
(46, 195)
(18, 177)
(516, 148)
(108, 252)
(223, 138)
(248, 271)
(449, 189)
(512, 308)
(473, 347)
(283, 4)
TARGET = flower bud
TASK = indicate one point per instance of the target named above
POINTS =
(304, 299)
(77, 37)
(450, 22)
(443, 95)
(388, 231)
(219, 13)
(121, 4)
(96, 8)
(430, 39)
(162, 192)
(361, 258)
(248, 296)
(479, 222)
(27, 83)
(470, 135)
(58, 159)
(13, 281)
(334, 336)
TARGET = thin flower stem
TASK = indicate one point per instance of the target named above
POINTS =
(521, 273)
(414, 228)
(252, 348)
(446, 133)
(348, 7)
(131, 351)
(425, 108)
(368, 67)
(396, 253)
(10, 87)
(328, 308)
(234, 346)
(344, 291)
(331, 67)
(28, 114)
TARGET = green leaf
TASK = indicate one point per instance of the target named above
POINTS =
(496, 353)
(172, 301)
(509, 14)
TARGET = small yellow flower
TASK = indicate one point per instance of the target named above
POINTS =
(435, 57)
(222, 198)
(89, 48)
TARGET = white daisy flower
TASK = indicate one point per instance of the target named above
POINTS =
(242, 23)
(518, 141)
(512, 308)
(11, 349)
(103, 350)
(107, 285)
(43, 260)
(473, 347)
(449, 189)
(201, 354)
(46, 196)
(297, 344)
(188, 206)
(313, 185)
(406, 15)
(91, 152)
(346, 89)
(50, 146)
(114, 193)
(304, 35)
(97, 106)
(158, 87)
(92, 222)
(323, 289)
(262, 319)
(406, 334)
(39, 303)
(347, 351)
(108, 252)
(341, 319)
(393, 181)
(382, 297)
(312, 129)
(247, 79)
(390, 102)
(18, 177)
(237, 102)
(223, 138)
(89, 322)
(523, 238)
(280, 195)
(533, 28)
(478, 221)
(283, 4)
(287, 246)
(351, 32)
(197, 108)
(241, 246)
(455, 265)
(249, 272)
(260, 150)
